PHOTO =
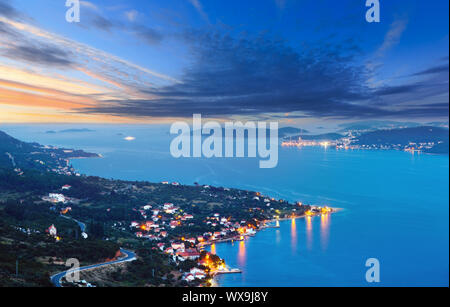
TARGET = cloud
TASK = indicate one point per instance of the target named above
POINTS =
(393, 36)
(259, 76)
(101, 23)
(148, 35)
(199, 7)
(391, 39)
(39, 54)
(89, 5)
(131, 15)
(103, 62)
(6, 10)
(433, 70)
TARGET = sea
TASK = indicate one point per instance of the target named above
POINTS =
(395, 205)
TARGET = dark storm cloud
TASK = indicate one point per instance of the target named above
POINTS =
(243, 76)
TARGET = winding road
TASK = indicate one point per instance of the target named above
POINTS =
(130, 256)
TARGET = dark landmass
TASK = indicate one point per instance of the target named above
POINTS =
(375, 125)
(20, 155)
(426, 139)
(282, 132)
(70, 131)
(438, 124)
(319, 137)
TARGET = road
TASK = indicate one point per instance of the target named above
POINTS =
(130, 256)
(80, 224)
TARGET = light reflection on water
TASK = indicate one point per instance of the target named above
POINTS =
(293, 236)
(324, 230)
(309, 235)
(241, 253)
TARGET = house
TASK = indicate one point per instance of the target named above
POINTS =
(190, 254)
(57, 198)
(178, 246)
(52, 231)
(151, 224)
(167, 206)
(171, 210)
(198, 273)
(134, 224)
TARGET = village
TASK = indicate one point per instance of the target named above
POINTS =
(183, 235)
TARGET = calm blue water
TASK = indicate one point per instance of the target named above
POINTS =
(395, 206)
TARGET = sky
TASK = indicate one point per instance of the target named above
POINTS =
(295, 61)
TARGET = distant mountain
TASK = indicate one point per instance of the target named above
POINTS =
(70, 131)
(318, 137)
(375, 125)
(437, 138)
(282, 132)
(286, 131)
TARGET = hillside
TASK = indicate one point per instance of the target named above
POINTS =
(21, 155)
(432, 139)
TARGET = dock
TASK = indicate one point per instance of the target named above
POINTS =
(229, 271)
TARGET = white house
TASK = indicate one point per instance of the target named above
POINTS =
(57, 198)
(52, 231)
